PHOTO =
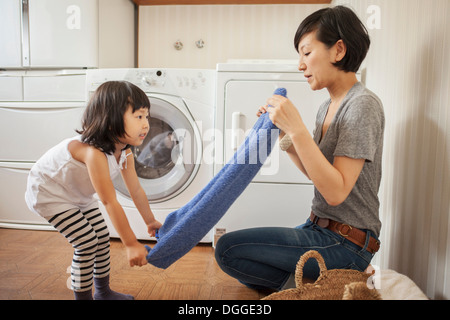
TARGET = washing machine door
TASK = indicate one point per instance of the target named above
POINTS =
(168, 159)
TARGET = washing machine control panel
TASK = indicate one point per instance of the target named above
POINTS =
(198, 84)
(152, 78)
(158, 79)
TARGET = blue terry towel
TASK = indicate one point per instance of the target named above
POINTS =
(185, 227)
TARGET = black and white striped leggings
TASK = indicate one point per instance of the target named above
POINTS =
(89, 236)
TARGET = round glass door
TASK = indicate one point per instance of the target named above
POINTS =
(168, 159)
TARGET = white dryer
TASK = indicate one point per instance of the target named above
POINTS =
(175, 160)
(279, 195)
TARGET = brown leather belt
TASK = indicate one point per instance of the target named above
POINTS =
(352, 234)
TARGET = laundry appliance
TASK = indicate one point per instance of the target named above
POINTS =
(175, 160)
(279, 195)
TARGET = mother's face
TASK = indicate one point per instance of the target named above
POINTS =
(316, 61)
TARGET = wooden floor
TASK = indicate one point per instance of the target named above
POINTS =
(33, 266)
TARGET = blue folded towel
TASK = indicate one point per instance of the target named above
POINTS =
(185, 227)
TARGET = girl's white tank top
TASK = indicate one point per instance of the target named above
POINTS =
(57, 182)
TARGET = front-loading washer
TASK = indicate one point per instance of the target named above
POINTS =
(175, 161)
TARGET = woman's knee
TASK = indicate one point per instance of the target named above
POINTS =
(220, 247)
(225, 247)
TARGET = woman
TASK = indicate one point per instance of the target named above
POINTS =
(342, 159)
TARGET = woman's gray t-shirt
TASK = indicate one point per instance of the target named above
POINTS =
(356, 131)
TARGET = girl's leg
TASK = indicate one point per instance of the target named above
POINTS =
(76, 229)
(89, 236)
(266, 257)
(102, 259)
(102, 255)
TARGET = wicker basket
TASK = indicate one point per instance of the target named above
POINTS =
(331, 284)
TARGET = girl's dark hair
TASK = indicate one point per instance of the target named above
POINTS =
(102, 123)
(334, 24)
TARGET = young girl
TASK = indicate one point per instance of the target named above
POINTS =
(62, 183)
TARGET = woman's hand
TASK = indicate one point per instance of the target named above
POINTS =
(262, 109)
(284, 114)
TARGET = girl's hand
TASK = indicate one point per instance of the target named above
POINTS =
(137, 254)
(153, 226)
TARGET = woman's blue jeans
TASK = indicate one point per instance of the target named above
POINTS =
(266, 257)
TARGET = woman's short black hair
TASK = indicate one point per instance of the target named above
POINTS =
(333, 24)
(102, 123)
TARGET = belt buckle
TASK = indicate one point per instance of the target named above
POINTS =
(348, 230)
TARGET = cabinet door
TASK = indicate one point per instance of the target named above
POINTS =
(11, 86)
(10, 35)
(13, 209)
(63, 33)
(33, 128)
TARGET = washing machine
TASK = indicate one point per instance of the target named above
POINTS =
(175, 160)
(279, 195)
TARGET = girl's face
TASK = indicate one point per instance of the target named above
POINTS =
(316, 61)
(136, 126)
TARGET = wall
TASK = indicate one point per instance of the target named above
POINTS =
(229, 32)
(407, 67)
(117, 34)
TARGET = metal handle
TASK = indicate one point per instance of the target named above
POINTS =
(39, 106)
(25, 34)
(235, 129)
(22, 167)
(44, 73)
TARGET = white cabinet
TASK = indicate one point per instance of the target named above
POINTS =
(38, 109)
(45, 47)
(10, 34)
(38, 128)
(48, 33)
(13, 209)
